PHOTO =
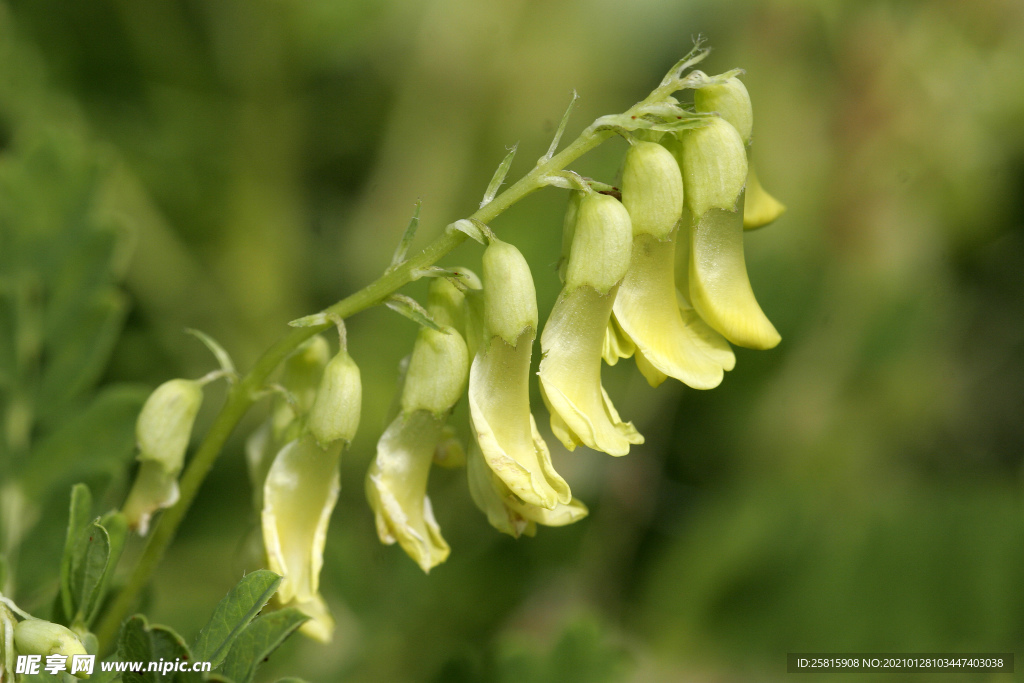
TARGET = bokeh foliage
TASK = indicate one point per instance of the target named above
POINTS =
(233, 165)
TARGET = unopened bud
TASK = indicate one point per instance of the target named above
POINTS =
(603, 242)
(303, 368)
(165, 423)
(652, 189)
(714, 164)
(336, 409)
(446, 303)
(39, 637)
(732, 102)
(510, 299)
(437, 372)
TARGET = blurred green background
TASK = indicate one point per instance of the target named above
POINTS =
(248, 162)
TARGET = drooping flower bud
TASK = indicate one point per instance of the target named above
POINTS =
(165, 424)
(338, 403)
(154, 489)
(647, 318)
(573, 338)
(714, 167)
(447, 303)
(499, 392)
(437, 371)
(396, 483)
(163, 430)
(39, 637)
(299, 495)
(652, 190)
(505, 511)
(301, 375)
(732, 102)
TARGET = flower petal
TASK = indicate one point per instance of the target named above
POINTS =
(647, 311)
(299, 495)
(505, 511)
(396, 486)
(570, 374)
(499, 403)
(760, 208)
(719, 286)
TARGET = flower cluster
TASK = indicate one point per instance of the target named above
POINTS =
(658, 276)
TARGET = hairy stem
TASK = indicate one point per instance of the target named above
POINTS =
(245, 392)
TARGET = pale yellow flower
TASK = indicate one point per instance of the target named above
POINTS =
(396, 487)
(299, 495)
(646, 309)
(715, 169)
(396, 484)
(499, 392)
(732, 102)
(505, 511)
(570, 370)
(162, 431)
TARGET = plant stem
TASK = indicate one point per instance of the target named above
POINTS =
(242, 395)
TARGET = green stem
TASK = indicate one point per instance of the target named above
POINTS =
(244, 393)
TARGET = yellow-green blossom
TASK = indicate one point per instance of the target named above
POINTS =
(648, 320)
(732, 102)
(505, 511)
(714, 167)
(570, 369)
(162, 431)
(759, 207)
(338, 403)
(499, 392)
(299, 495)
(396, 484)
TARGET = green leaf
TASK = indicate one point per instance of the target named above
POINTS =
(410, 233)
(232, 614)
(74, 368)
(499, 176)
(222, 356)
(561, 128)
(264, 635)
(117, 531)
(99, 439)
(140, 642)
(78, 518)
(89, 562)
(411, 309)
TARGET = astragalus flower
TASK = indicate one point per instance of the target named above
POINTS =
(499, 390)
(572, 341)
(162, 433)
(301, 489)
(730, 99)
(299, 495)
(396, 483)
(714, 166)
(505, 511)
(648, 320)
